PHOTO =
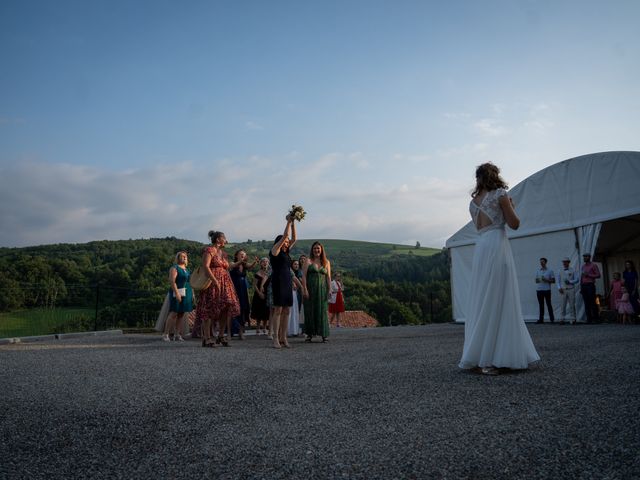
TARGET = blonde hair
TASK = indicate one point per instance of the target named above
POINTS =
(177, 257)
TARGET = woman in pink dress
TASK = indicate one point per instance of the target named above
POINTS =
(615, 291)
(625, 309)
(218, 303)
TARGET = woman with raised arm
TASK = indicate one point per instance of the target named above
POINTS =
(316, 285)
(281, 283)
(218, 303)
(495, 335)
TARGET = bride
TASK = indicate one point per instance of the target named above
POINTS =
(495, 335)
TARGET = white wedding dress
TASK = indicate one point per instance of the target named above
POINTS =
(495, 334)
(293, 327)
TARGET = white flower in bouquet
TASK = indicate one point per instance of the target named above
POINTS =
(297, 213)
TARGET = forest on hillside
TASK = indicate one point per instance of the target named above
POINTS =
(125, 281)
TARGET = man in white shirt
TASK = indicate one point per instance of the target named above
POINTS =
(544, 279)
(567, 279)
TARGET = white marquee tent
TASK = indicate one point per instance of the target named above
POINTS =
(585, 204)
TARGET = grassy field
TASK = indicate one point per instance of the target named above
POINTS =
(44, 321)
(340, 247)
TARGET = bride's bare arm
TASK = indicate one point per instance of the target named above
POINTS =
(506, 204)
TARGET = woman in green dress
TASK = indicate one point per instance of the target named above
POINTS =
(316, 285)
(180, 295)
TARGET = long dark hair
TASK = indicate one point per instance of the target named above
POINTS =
(632, 268)
(283, 249)
(488, 178)
(323, 255)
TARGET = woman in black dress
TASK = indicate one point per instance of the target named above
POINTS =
(259, 306)
(281, 283)
(238, 272)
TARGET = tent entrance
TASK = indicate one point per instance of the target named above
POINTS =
(618, 242)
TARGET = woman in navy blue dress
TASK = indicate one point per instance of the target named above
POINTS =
(281, 283)
(238, 274)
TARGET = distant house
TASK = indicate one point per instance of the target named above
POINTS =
(356, 319)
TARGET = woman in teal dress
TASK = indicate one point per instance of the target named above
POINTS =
(316, 285)
(180, 297)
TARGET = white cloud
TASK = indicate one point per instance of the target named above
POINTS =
(490, 127)
(246, 198)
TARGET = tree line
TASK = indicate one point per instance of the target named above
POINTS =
(126, 277)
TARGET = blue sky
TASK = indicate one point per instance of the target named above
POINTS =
(137, 119)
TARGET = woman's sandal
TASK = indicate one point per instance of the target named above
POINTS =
(307, 340)
(489, 371)
(208, 343)
(224, 341)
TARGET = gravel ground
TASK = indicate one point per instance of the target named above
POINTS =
(372, 403)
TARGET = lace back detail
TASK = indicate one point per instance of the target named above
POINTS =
(490, 207)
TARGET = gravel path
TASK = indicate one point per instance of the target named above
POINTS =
(372, 403)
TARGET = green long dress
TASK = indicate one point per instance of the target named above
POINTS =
(316, 320)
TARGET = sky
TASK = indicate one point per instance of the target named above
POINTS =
(141, 119)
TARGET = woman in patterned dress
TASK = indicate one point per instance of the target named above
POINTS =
(218, 303)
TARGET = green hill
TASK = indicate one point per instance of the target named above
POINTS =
(343, 254)
(125, 281)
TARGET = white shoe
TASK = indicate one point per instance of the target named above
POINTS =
(165, 338)
(178, 338)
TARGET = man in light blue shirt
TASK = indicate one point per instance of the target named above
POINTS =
(567, 279)
(544, 279)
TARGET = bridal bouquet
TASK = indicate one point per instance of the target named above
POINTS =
(297, 213)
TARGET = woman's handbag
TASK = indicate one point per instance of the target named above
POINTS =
(199, 279)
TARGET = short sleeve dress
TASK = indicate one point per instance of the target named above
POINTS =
(215, 300)
(239, 278)
(495, 334)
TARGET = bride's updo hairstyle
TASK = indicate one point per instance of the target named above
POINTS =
(214, 236)
(488, 178)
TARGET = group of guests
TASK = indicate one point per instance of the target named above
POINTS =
(287, 293)
(623, 293)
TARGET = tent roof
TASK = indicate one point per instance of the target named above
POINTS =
(572, 193)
